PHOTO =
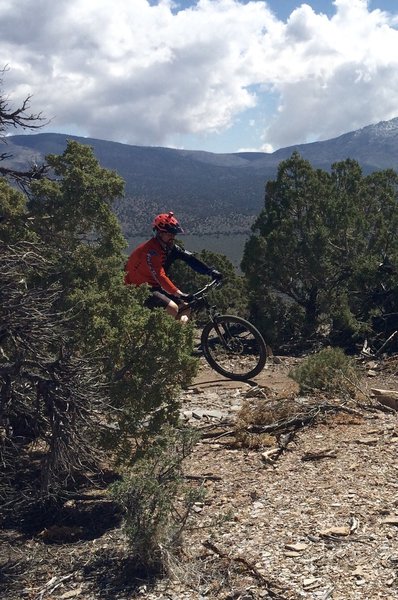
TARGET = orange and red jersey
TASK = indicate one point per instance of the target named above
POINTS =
(149, 263)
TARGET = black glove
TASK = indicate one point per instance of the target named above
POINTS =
(186, 297)
(216, 274)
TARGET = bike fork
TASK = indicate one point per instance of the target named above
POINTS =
(220, 333)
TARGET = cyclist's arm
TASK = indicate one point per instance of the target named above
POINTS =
(191, 260)
(154, 263)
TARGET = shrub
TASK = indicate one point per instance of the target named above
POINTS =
(50, 395)
(261, 413)
(330, 371)
(156, 501)
(279, 321)
(84, 367)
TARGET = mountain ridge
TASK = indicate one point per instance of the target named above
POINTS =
(211, 192)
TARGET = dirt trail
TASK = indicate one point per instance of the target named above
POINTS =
(273, 376)
(319, 522)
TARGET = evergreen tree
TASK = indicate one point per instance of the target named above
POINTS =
(289, 253)
(96, 367)
(313, 256)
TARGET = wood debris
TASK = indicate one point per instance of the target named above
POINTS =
(386, 397)
(390, 521)
(274, 590)
(335, 531)
(299, 547)
(319, 454)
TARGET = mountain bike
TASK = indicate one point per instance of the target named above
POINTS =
(230, 344)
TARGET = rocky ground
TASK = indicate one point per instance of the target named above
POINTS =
(309, 514)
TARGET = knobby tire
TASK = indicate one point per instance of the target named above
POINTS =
(240, 353)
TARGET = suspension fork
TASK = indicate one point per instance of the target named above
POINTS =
(221, 335)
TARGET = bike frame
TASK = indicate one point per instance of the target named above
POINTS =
(212, 312)
(200, 296)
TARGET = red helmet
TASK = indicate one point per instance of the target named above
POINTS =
(166, 222)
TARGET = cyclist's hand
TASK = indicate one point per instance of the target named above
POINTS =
(216, 275)
(186, 297)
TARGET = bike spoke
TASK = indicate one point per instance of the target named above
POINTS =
(235, 348)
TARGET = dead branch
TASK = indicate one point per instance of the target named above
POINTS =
(203, 477)
(272, 588)
(327, 453)
(215, 435)
(18, 117)
(24, 178)
(388, 340)
(49, 395)
(300, 420)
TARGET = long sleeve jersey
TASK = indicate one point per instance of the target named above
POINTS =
(149, 263)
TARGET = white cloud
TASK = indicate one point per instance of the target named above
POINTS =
(342, 73)
(145, 73)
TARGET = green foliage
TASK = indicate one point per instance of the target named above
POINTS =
(230, 297)
(79, 199)
(150, 349)
(330, 371)
(73, 213)
(96, 332)
(156, 500)
(280, 322)
(13, 214)
(290, 254)
(154, 362)
(317, 245)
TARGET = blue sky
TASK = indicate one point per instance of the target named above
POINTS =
(284, 8)
(215, 75)
(281, 8)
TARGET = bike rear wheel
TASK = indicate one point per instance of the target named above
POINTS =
(233, 347)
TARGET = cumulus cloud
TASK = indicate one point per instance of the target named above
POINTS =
(342, 73)
(145, 72)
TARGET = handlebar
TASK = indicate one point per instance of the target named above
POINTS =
(206, 288)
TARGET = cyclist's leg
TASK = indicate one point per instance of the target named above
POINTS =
(161, 300)
(184, 312)
(174, 306)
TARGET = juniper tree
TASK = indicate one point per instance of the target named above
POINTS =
(315, 249)
(110, 368)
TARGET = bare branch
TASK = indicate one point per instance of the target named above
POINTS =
(19, 117)
(49, 394)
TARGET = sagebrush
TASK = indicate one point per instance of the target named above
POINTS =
(157, 501)
(329, 371)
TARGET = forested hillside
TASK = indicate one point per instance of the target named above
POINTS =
(212, 193)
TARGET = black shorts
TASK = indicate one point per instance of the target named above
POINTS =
(160, 299)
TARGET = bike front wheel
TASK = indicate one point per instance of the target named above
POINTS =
(233, 347)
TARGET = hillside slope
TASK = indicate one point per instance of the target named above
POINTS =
(210, 192)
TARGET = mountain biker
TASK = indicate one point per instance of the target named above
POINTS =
(150, 261)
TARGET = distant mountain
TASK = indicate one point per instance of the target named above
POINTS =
(209, 192)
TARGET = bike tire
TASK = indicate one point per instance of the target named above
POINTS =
(234, 347)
